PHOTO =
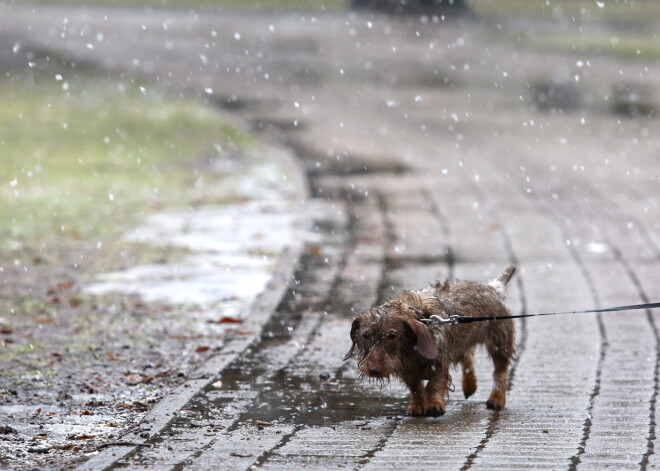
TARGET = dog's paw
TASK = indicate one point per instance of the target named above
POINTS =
(496, 401)
(434, 411)
(492, 405)
(415, 410)
(434, 407)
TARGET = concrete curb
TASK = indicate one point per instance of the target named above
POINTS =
(259, 314)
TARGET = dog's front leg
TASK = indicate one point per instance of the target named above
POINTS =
(436, 391)
(416, 387)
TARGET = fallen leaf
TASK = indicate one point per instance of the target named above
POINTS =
(6, 330)
(140, 405)
(44, 320)
(56, 354)
(230, 320)
(262, 423)
(123, 404)
(39, 438)
(59, 287)
(85, 412)
(50, 414)
(202, 348)
(111, 424)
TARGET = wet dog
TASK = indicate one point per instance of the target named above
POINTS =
(391, 340)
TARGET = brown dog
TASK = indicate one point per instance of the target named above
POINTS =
(392, 341)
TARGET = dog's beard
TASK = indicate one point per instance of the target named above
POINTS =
(391, 369)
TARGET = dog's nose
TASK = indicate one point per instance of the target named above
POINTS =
(375, 371)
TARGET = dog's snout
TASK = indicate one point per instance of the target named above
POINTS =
(375, 371)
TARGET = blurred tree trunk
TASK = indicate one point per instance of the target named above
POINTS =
(410, 6)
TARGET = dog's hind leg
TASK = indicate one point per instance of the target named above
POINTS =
(469, 374)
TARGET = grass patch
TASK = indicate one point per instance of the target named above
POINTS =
(624, 46)
(603, 10)
(247, 4)
(86, 158)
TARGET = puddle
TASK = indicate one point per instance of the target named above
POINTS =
(235, 248)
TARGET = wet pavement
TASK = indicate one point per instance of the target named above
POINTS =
(431, 149)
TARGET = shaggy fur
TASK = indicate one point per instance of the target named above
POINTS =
(391, 341)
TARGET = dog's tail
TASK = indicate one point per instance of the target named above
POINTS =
(501, 281)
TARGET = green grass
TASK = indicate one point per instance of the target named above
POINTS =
(628, 46)
(86, 158)
(251, 4)
(614, 10)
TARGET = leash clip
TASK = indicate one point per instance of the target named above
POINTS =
(437, 320)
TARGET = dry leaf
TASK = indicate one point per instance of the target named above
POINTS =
(44, 320)
(6, 330)
(230, 320)
(316, 251)
(202, 348)
(59, 287)
(262, 423)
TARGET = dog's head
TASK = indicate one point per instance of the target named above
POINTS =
(384, 337)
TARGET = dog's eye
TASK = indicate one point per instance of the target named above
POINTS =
(391, 336)
(366, 335)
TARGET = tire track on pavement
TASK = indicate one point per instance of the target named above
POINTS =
(517, 429)
(598, 446)
(521, 324)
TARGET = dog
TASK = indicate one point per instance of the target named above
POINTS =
(391, 340)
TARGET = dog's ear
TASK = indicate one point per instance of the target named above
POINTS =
(354, 330)
(425, 341)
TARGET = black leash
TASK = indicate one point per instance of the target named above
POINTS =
(456, 319)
